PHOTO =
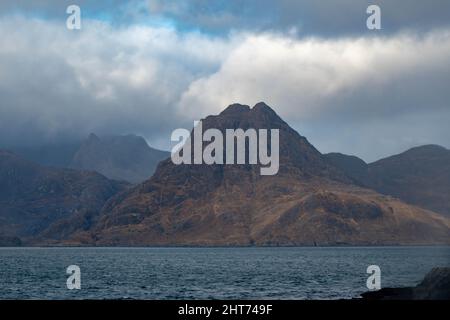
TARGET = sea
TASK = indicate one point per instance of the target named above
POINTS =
(210, 273)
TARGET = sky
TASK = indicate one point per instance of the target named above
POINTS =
(150, 66)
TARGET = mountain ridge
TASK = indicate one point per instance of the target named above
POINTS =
(309, 202)
(107, 155)
(33, 197)
(419, 175)
(127, 158)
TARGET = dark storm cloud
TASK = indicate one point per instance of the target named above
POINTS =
(59, 84)
(328, 18)
(325, 18)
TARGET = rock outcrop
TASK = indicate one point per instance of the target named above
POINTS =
(435, 286)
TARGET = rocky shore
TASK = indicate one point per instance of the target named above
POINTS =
(435, 286)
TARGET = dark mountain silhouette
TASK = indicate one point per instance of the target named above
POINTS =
(353, 166)
(55, 155)
(127, 158)
(435, 286)
(34, 199)
(309, 202)
(419, 176)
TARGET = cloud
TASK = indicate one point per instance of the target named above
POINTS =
(308, 17)
(365, 95)
(58, 84)
(362, 84)
(322, 18)
(309, 77)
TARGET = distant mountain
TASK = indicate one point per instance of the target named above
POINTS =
(353, 166)
(419, 176)
(309, 202)
(34, 199)
(55, 155)
(127, 158)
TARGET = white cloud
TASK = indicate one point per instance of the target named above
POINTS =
(309, 77)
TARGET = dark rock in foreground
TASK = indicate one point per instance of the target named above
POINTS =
(435, 286)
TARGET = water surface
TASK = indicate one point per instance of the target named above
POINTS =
(211, 273)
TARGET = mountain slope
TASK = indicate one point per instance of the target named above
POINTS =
(308, 202)
(127, 158)
(352, 166)
(419, 176)
(34, 198)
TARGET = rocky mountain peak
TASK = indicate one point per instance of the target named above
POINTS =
(297, 157)
(261, 114)
(235, 109)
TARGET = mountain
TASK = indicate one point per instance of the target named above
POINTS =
(55, 155)
(309, 202)
(34, 199)
(419, 176)
(127, 158)
(353, 166)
